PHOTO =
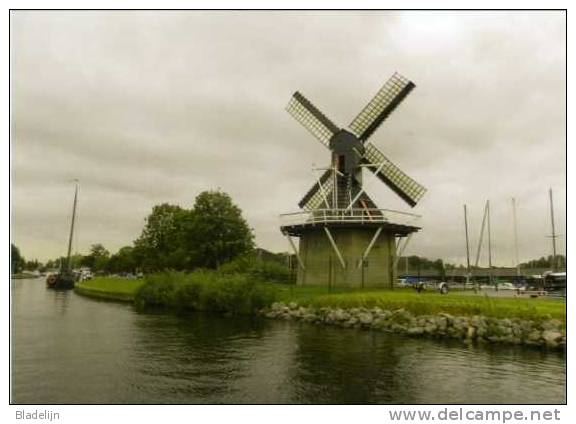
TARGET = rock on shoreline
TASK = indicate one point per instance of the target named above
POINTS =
(476, 328)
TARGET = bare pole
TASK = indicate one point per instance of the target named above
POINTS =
(489, 242)
(481, 236)
(554, 236)
(515, 227)
(467, 245)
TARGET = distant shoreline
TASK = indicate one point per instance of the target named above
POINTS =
(24, 275)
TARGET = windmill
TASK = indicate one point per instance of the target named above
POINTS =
(344, 238)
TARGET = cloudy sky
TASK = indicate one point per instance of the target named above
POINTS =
(152, 107)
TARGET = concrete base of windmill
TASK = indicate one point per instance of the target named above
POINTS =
(343, 263)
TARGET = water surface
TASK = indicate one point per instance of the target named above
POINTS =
(71, 349)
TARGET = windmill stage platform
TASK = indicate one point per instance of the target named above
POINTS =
(396, 222)
(348, 247)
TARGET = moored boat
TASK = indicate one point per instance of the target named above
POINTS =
(65, 278)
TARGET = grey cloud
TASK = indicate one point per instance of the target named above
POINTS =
(150, 107)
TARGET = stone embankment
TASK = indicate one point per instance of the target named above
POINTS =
(549, 333)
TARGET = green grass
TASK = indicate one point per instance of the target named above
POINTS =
(425, 303)
(204, 290)
(110, 287)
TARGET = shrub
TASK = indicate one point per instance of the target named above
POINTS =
(259, 270)
(272, 272)
(206, 291)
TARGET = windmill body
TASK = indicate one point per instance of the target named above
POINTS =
(344, 238)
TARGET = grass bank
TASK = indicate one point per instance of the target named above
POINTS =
(113, 288)
(427, 303)
(206, 291)
(238, 293)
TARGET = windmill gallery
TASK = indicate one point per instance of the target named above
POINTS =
(344, 238)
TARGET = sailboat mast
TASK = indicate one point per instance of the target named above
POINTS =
(481, 235)
(72, 227)
(489, 238)
(467, 245)
(553, 232)
(515, 227)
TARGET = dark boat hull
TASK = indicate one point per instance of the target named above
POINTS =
(60, 281)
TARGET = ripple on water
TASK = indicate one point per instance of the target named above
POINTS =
(72, 349)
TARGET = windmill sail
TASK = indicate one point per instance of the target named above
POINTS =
(350, 150)
(392, 176)
(311, 118)
(316, 197)
(381, 106)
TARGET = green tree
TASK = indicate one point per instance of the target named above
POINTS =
(123, 261)
(212, 233)
(16, 259)
(160, 244)
(217, 232)
(32, 265)
(439, 266)
(97, 259)
(49, 265)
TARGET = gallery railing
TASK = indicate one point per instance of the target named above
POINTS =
(359, 216)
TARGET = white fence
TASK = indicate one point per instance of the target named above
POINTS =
(359, 216)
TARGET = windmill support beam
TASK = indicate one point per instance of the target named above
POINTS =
(295, 252)
(335, 247)
(401, 249)
(323, 193)
(369, 248)
(362, 188)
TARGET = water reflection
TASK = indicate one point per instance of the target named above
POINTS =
(344, 366)
(71, 349)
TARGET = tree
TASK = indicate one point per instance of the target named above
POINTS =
(49, 265)
(97, 259)
(160, 244)
(211, 233)
(123, 261)
(16, 259)
(439, 266)
(32, 265)
(217, 232)
(545, 262)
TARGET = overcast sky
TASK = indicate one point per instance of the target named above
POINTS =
(152, 107)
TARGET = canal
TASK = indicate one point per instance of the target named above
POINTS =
(71, 349)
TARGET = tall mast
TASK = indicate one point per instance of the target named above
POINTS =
(481, 235)
(489, 239)
(515, 227)
(553, 231)
(72, 227)
(467, 245)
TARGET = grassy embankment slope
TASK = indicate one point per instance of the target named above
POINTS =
(429, 303)
(113, 288)
(426, 303)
